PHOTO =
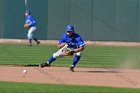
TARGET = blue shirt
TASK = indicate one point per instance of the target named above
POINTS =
(74, 42)
(30, 20)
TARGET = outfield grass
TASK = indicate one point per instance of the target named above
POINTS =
(11, 87)
(93, 56)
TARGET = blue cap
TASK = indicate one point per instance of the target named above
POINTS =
(70, 28)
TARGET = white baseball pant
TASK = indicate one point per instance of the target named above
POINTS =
(30, 32)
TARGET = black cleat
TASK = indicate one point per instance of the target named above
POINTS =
(71, 69)
(38, 43)
(44, 65)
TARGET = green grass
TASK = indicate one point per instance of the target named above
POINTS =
(11, 87)
(93, 56)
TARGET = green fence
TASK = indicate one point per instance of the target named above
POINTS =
(105, 20)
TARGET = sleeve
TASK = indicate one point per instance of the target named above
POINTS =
(32, 21)
(80, 42)
(62, 39)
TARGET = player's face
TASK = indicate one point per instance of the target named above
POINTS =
(69, 33)
(26, 14)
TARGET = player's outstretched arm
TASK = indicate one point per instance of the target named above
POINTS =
(61, 45)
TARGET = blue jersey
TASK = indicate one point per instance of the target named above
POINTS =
(74, 42)
(30, 20)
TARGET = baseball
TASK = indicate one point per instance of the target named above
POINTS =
(24, 71)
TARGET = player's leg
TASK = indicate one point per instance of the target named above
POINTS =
(58, 54)
(36, 41)
(47, 64)
(32, 30)
(75, 61)
(29, 38)
(30, 35)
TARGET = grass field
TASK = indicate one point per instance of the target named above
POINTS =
(93, 56)
(11, 87)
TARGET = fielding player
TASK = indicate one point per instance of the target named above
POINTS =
(30, 24)
(70, 44)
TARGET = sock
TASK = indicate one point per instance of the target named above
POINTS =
(75, 60)
(36, 40)
(30, 41)
(51, 59)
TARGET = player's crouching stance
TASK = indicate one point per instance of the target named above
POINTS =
(70, 43)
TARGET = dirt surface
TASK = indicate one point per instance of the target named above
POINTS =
(82, 76)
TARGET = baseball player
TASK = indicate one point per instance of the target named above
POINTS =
(70, 43)
(30, 24)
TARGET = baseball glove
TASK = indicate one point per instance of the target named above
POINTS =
(68, 52)
(26, 26)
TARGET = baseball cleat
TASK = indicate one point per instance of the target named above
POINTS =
(38, 43)
(44, 65)
(71, 69)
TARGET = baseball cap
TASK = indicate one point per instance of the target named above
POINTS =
(69, 28)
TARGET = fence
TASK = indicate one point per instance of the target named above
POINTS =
(100, 20)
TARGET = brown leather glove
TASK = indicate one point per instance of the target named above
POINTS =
(68, 52)
(26, 26)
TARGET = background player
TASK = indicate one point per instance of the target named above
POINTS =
(31, 25)
(72, 40)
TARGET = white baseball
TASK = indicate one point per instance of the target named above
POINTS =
(24, 71)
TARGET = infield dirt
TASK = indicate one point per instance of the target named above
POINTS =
(82, 76)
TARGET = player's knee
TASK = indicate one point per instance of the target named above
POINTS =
(29, 36)
(54, 55)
